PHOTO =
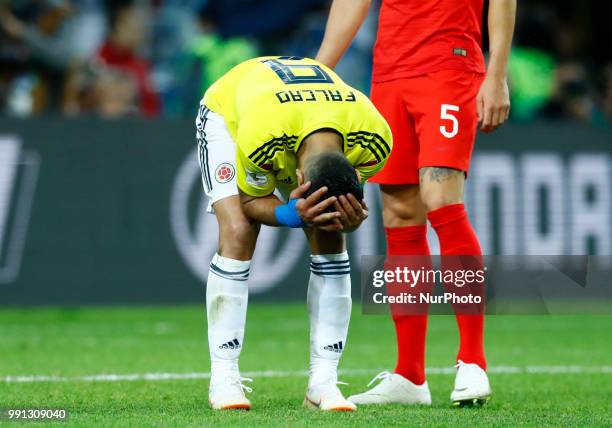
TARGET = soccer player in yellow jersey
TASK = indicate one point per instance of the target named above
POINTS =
(288, 124)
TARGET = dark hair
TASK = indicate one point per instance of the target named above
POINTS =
(334, 171)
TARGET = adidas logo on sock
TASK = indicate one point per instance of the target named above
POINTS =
(336, 347)
(234, 344)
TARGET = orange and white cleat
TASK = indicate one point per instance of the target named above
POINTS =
(328, 397)
(227, 392)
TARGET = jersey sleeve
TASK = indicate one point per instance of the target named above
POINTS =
(251, 179)
(375, 157)
(366, 171)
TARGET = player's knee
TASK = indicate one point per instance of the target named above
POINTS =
(441, 187)
(402, 213)
(434, 199)
(237, 238)
(239, 231)
(403, 207)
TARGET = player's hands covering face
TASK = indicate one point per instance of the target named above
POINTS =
(352, 212)
(313, 211)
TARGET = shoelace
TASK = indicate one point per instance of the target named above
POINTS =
(337, 382)
(331, 385)
(238, 382)
(459, 364)
(380, 376)
(336, 391)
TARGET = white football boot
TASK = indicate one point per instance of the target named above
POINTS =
(323, 393)
(227, 391)
(393, 389)
(471, 385)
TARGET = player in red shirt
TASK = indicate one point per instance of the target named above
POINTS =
(429, 82)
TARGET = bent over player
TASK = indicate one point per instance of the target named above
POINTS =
(288, 124)
(429, 82)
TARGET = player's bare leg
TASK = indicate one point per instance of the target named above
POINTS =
(226, 304)
(404, 217)
(237, 234)
(442, 194)
(402, 205)
(329, 309)
(440, 187)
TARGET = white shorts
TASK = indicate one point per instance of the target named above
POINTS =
(216, 155)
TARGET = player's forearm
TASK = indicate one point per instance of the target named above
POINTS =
(261, 209)
(345, 18)
(501, 27)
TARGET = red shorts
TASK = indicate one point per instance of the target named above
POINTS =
(433, 119)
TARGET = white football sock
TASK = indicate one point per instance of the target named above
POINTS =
(227, 296)
(329, 308)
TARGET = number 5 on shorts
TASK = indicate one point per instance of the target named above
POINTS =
(445, 115)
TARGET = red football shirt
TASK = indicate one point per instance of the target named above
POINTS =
(416, 37)
(115, 57)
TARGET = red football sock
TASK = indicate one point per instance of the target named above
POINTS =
(411, 330)
(457, 238)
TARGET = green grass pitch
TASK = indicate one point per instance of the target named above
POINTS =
(72, 343)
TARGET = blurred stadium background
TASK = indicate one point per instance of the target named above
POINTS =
(101, 200)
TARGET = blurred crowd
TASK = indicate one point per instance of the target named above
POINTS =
(156, 57)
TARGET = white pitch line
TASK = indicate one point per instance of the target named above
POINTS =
(554, 370)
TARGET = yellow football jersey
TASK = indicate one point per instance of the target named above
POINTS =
(271, 104)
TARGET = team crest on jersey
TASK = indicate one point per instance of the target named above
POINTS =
(224, 173)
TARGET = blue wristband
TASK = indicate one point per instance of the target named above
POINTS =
(287, 215)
